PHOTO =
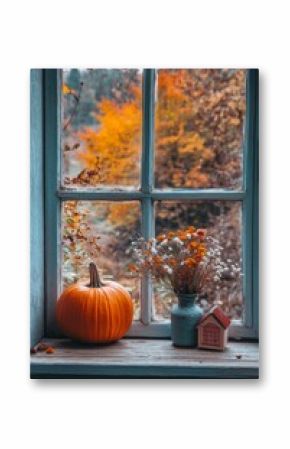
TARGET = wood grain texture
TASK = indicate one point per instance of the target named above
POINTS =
(155, 194)
(36, 207)
(250, 202)
(52, 203)
(140, 358)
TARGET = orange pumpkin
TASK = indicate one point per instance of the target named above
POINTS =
(95, 313)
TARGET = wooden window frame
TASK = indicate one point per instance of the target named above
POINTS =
(47, 196)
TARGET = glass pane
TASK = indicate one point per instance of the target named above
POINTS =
(100, 231)
(101, 128)
(199, 128)
(223, 221)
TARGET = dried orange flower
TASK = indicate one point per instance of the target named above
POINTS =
(190, 262)
(201, 233)
(193, 245)
(183, 236)
(172, 262)
(161, 237)
(158, 260)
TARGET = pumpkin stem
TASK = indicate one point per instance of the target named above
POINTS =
(95, 280)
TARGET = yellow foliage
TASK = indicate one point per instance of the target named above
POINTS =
(121, 210)
(66, 90)
(116, 143)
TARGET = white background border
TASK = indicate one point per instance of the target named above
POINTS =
(145, 414)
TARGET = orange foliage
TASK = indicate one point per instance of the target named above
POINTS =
(178, 144)
(119, 211)
(115, 145)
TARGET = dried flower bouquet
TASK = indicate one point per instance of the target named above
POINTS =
(184, 260)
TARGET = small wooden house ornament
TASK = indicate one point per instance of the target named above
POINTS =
(213, 330)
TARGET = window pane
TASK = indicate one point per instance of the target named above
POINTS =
(199, 128)
(101, 127)
(223, 221)
(100, 231)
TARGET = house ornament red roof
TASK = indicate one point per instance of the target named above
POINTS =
(219, 315)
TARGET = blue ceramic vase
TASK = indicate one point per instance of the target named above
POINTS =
(184, 319)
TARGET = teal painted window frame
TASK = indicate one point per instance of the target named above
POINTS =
(47, 196)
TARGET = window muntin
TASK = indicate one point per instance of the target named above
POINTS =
(147, 196)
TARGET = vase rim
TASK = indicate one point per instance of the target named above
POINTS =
(188, 295)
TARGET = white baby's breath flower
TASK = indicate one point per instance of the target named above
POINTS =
(177, 241)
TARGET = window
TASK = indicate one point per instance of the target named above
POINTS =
(130, 152)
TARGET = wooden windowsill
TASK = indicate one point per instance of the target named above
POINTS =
(140, 358)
